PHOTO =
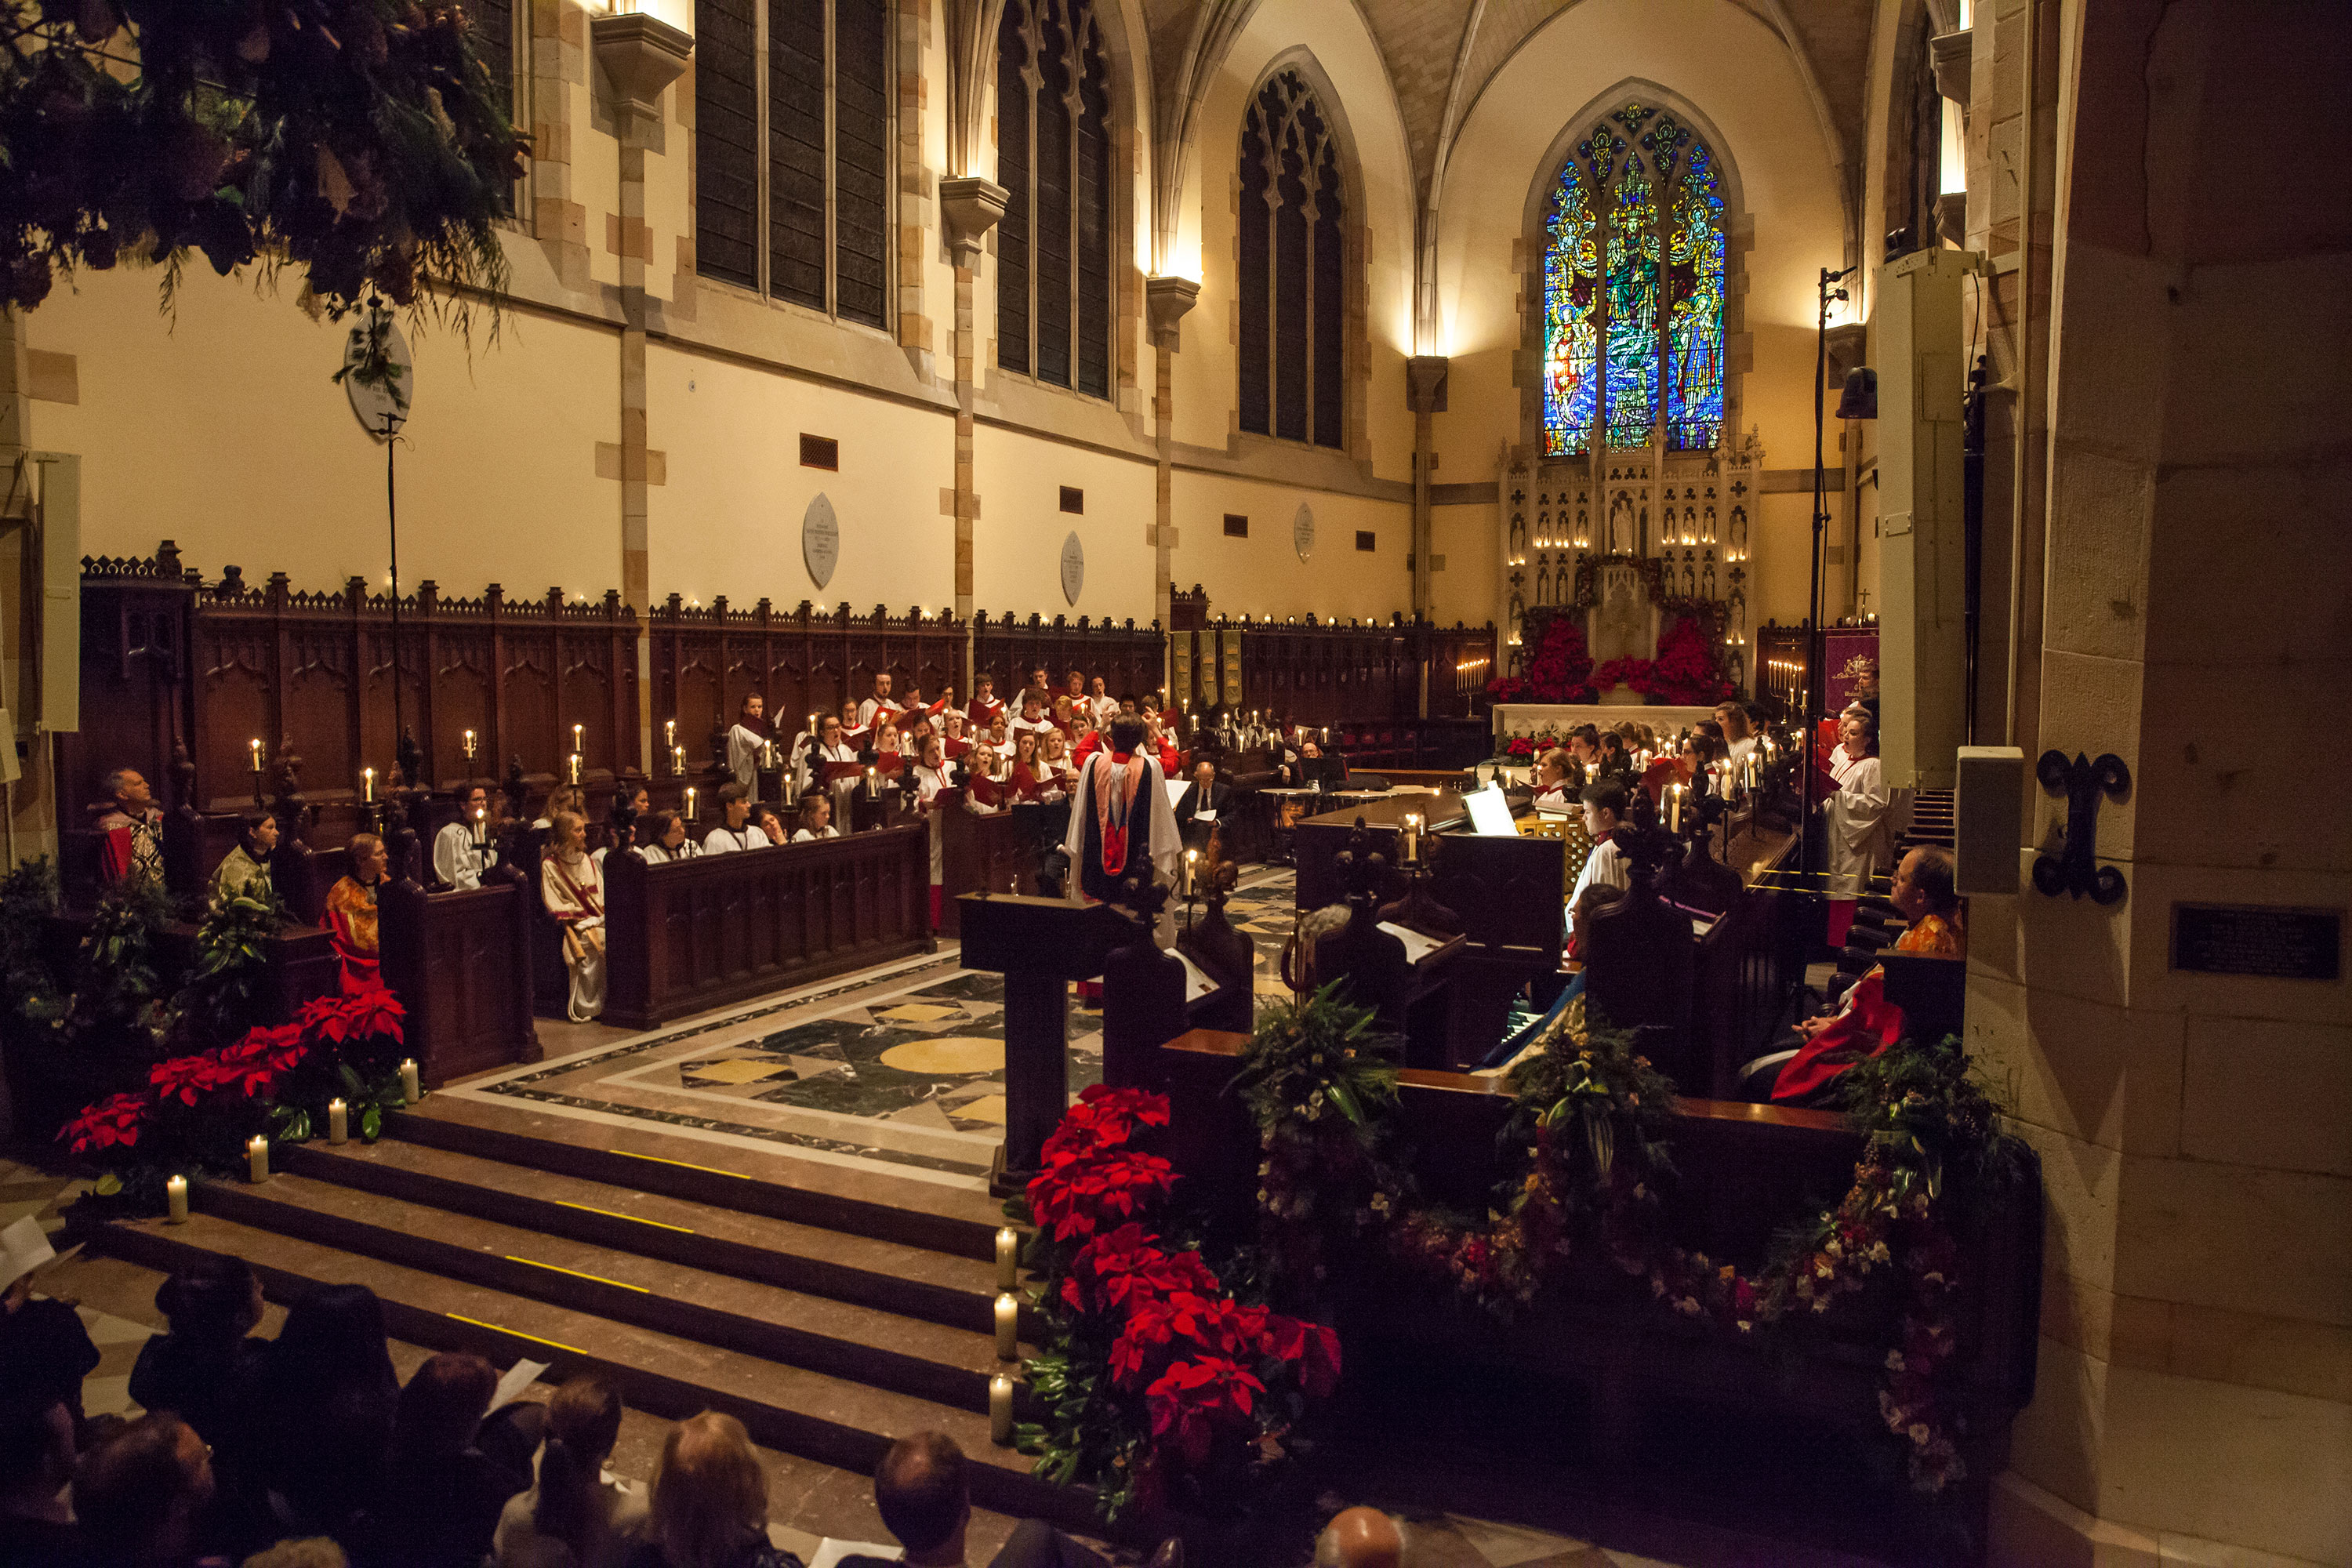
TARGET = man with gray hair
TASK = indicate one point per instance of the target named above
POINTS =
(133, 844)
(1360, 1537)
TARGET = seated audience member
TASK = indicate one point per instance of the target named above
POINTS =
(314, 1423)
(1551, 780)
(771, 826)
(575, 1516)
(925, 1501)
(816, 820)
(1606, 801)
(458, 861)
(709, 1507)
(1360, 1537)
(1865, 1022)
(195, 1367)
(562, 797)
(138, 1496)
(661, 838)
(133, 829)
(37, 1460)
(351, 910)
(244, 872)
(1202, 805)
(734, 831)
(451, 1470)
(573, 888)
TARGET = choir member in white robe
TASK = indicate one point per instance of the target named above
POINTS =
(879, 705)
(746, 744)
(1551, 781)
(931, 782)
(736, 831)
(562, 797)
(1605, 802)
(457, 860)
(1860, 826)
(1120, 791)
(831, 747)
(986, 707)
(574, 892)
(1101, 705)
(641, 805)
(816, 819)
(662, 839)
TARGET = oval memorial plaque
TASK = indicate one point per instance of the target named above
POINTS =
(1074, 567)
(1302, 531)
(819, 540)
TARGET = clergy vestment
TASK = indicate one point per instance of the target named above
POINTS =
(573, 891)
(134, 846)
(240, 876)
(1121, 824)
(351, 916)
(457, 860)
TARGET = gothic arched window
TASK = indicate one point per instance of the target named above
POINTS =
(1634, 280)
(1053, 148)
(1293, 277)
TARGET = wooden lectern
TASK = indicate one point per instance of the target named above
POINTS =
(1039, 945)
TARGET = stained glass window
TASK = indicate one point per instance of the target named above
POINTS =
(1633, 281)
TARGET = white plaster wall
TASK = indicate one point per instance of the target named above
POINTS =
(1017, 541)
(1263, 574)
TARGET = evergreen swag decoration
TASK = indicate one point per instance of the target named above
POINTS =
(1158, 1383)
(363, 141)
(1593, 1123)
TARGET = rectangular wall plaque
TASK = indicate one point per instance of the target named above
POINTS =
(2274, 942)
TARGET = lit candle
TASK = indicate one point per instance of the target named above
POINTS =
(175, 1197)
(257, 1157)
(1673, 808)
(1191, 869)
(873, 783)
(574, 763)
(469, 747)
(678, 761)
(1326, 734)
(811, 726)
(367, 785)
(409, 1088)
(481, 828)
(338, 1122)
(1008, 1257)
(1008, 1323)
(693, 810)
(257, 757)
(669, 732)
(1000, 1411)
(579, 737)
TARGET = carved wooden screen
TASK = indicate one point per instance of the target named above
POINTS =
(1129, 659)
(799, 661)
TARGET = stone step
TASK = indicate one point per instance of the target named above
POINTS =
(952, 1214)
(835, 1421)
(840, 1339)
(889, 1276)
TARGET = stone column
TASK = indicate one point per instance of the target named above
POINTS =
(1424, 386)
(971, 207)
(641, 55)
(2194, 1401)
(1166, 300)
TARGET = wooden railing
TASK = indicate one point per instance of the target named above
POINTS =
(460, 964)
(700, 933)
(1129, 657)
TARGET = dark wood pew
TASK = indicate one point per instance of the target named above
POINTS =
(460, 964)
(702, 934)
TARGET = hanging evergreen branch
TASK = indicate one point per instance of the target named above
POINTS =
(362, 140)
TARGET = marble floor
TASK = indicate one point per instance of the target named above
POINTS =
(899, 1068)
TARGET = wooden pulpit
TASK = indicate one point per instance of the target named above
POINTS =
(1039, 945)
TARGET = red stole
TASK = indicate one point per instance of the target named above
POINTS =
(1115, 787)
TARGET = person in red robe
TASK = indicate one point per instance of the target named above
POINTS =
(133, 826)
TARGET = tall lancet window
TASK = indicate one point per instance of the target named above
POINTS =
(1292, 275)
(1633, 280)
(1053, 151)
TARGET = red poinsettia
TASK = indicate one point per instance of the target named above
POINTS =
(1562, 669)
(1079, 1199)
(1313, 1349)
(114, 1122)
(1193, 1397)
(1122, 1266)
(185, 1079)
(366, 1013)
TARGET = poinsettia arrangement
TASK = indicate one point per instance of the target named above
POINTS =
(1158, 1383)
(196, 1111)
(1687, 672)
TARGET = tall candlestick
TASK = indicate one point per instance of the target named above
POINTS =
(367, 785)
(338, 1122)
(1008, 1327)
(678, 761)
(470, 746)
(579, 737)
(1191, 869)
(481, 828)
(572, 764)
(409, 1088)
(1008, 1257)
(873, 783)
(1000, 1411)
(175, 1198)
(669, 732)
(256, 756)
(256, 1159)
(693, 808)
